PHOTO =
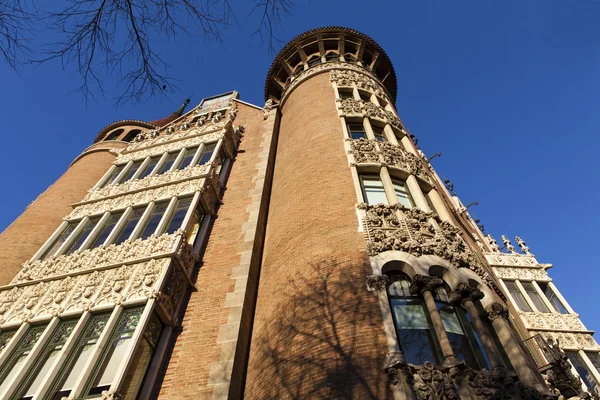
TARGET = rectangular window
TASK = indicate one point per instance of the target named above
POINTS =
(582, 369)
(154, 219)
(535, 297)
(82, 235)
(402, 194)
(62, 237)
(106, 229)
(81, 354)
(116, 353)
(39, 373)
(178, 215)
(131, 171)
(195, 222)
(554, 300)
(130, 225)
(364, 96)
(12, 366)
(5, 337)
(357, 131)
(373, 191)
(379, 134)
(187, 157)
(517, 296)
(149, 167)
(346, 94)
(171, 157)
(207, 153)
(594, 358)
(113, 175)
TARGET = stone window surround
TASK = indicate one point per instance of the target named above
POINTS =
(539, 291)
(150, 307)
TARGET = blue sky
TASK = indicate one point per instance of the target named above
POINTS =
(507, 91)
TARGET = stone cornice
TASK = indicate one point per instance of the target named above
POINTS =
(527, 274)
(553, 322)
(511, 260)
(360, 108)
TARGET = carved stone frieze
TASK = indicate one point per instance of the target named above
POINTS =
(422, 283)
(361, 108)
(149, 182)
(344, 74)
(146, 196)
(553, 321)
(107, 286)
(173, 290)
(377, 282)
(99, 257)
(170, 146)
(511, 260)
(526, 274)
(464, 292)
(364, 151)
(432, 383)
(570, 340)
(398, 157)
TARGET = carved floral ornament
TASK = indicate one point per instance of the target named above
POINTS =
(106, 257)
(569, 340)
(552, 321)
(208, 185)
(524, 274)
(360, 108)
(386, 153)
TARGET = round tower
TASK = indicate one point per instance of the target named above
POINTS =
(316, 328)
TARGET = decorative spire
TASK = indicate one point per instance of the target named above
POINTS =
(179, 111)
(508, 245)
(493, 244)
(523, 246)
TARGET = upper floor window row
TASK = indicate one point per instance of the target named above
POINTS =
(357, 130)
(535, 297)
(159, 164)
(374, 192)
(359, 94)
(117, 226)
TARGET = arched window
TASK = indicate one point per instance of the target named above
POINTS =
(332, 56)
(114, 134)
(411, 319)
(131, 134)
(463, 340)
(314, 60)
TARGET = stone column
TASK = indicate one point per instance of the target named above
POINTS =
(498, 314)
(425, 285)
(467, 295)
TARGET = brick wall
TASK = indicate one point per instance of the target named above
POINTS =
(317, 333)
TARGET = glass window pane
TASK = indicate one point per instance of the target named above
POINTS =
(81, 354)
(207, 153)
(5, 337)
(111, 178)
(517, 296)
(535, 297)
(149, 167)
(346, 94)
(414, 334)
(379, 134)
(402, 194)
(83, 234)
(131, 171)
(195, 222)
(129, 225)
(39, 373)
(187, 157)
(178, 215)
(373, 190)
(115, 355)
(594, 358)
(154, 219)
(554, 300)
(357, 131)
(106, 230)
(62, 237)
(582, 369)
(456, 335)
(171, 157)
(12, 366)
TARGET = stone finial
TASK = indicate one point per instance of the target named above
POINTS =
(423, 283)
(493, 244)
(508, 245)
(464, 292)
(496, 310)
(481, 246)
(522, 245)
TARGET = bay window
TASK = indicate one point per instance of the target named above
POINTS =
(60, 239)
(517, 296)
(357, 131)
(535, 297)
(127, 229)
(82, 235)
(105, 231)
(553, 299)
(207, 153)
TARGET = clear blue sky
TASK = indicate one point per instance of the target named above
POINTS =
(507, 91)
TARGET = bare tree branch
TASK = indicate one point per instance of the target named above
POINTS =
(16, 22)
(272, 12)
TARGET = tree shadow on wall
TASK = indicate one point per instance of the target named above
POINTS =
(329, 341)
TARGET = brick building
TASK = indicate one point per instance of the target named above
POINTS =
(297, 250)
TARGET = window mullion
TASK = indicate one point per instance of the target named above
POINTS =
(509, 294)
(388, 186)
(178, 160)
(122, 174)
(135, 340)
(13, 343)
(590, 366)
(66, 350)
(159, 164)
(562, 300)
(368, 129)
(390, 135)
(542, 295)
(117, 228)
(216, 151)
(197, 155)
(140, 168)
(141, 224)
(50, 240)
(526, 296)
(156, 364)
(31, 357)
(89, 367)
(415, 192)
(104, 178)
(92, 235)
(73, 235)
(166, 216)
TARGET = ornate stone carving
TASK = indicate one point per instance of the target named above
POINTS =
(523, 246)
(364, 151)
(496, 310)
(553, 321)
(526, 274)
(511, 260)
(269, 105)
(149, 182)
(377, 282)
(432, 383)
(344, 74)
(464, 292)
(100, 257)
(508, 245)
(360, 108)
(173, 290)
(398, 157)
(493, 244)
(422, 283)
(569, 339)
(145, 196)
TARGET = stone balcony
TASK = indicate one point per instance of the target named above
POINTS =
(552, 321)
